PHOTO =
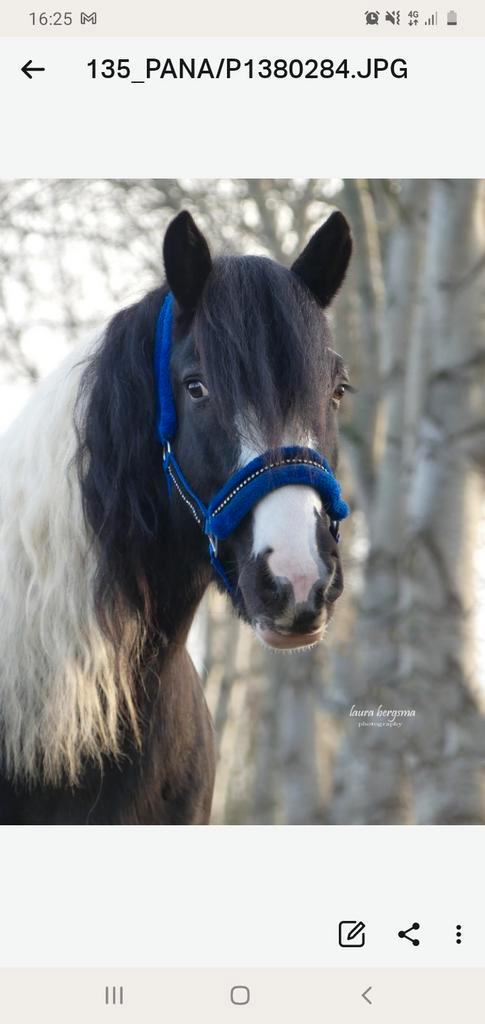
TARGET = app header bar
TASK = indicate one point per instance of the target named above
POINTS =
(218, 18)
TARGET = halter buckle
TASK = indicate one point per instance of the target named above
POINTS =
(166, 452)
(335, 530)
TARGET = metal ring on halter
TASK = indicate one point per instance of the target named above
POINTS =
(335, 530)
(213, 543)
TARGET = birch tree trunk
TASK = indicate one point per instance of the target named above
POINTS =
(368, 784)
(446, 755)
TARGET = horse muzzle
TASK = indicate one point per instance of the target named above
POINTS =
(289, 613)
(281, 641)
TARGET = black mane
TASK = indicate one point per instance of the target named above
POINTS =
(119, 461)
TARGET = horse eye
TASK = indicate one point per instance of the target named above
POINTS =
(196, 389)
(339, 392)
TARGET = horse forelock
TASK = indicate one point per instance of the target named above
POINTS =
(263, 344)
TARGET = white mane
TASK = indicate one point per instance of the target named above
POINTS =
(63, 694)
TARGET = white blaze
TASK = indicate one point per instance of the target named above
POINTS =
(285, 521)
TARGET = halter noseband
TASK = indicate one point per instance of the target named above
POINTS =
(243, 490)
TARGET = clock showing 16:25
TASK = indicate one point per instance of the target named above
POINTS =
(51, 17)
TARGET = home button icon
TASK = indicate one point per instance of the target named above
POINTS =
(240, 995)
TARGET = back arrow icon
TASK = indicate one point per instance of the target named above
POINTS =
(365, 995)
(27, 68)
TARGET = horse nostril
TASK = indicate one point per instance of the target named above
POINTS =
(318, 594)
(271, 588)
(283, 591)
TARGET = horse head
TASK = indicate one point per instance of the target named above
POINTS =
(253, 389)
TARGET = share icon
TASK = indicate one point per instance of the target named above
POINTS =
(405, 934)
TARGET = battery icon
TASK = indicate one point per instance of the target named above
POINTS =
(452, 18)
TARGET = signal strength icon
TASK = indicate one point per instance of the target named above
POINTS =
(433, 19)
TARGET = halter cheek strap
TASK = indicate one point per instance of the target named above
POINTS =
(248, 485)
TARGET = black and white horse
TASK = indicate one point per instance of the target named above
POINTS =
(102, 565)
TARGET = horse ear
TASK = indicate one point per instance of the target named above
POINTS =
(187, 260)
(323, 263)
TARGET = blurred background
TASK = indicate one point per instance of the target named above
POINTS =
(385, 723)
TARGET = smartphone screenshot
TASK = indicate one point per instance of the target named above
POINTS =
(242, 518)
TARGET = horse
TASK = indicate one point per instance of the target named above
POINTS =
(220, 382)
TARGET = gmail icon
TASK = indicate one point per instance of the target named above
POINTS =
(91, 18)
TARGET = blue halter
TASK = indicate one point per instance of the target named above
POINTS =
(246, 486)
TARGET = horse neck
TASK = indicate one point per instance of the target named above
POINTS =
(179, 576)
